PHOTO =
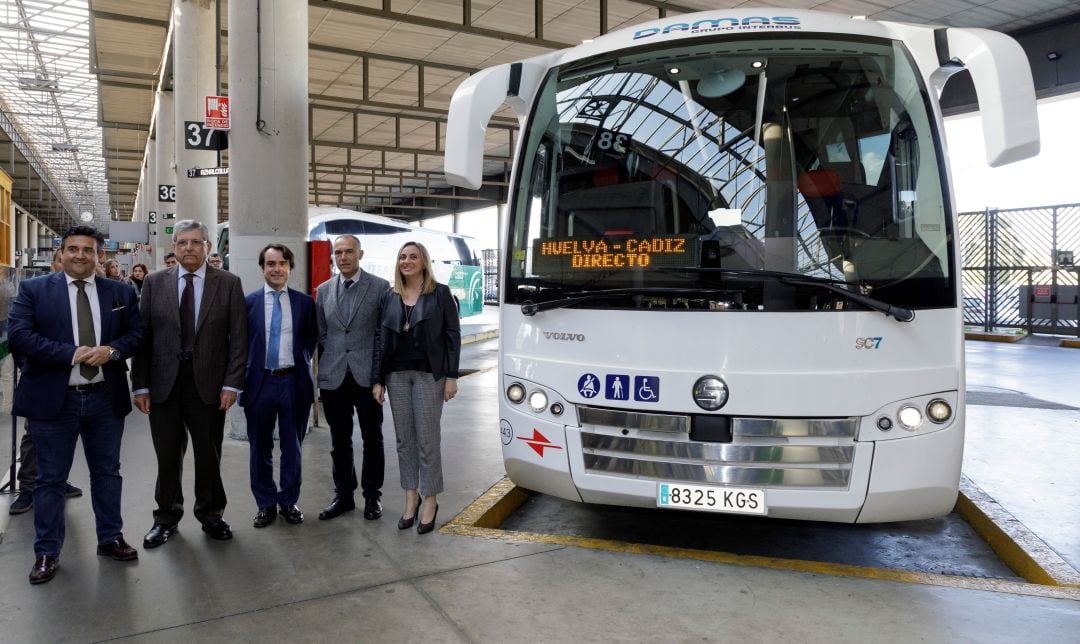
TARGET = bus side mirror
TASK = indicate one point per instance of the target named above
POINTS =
(475, 101)
(1002, 77)
(473, 104)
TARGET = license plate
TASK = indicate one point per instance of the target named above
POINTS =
(706, 498)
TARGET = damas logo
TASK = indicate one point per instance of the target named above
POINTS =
(569, 337)
(715, 25)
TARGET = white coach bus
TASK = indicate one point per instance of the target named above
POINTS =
(455, 257)
(731, 273)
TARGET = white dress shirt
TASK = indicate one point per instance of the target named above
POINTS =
(76, 377)
(285, 351)
(199, 282)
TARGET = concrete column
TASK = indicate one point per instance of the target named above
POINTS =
(194, 78)
(45, 236)
(165, 174)
(21, 228)
(268, 143)
(149, 200)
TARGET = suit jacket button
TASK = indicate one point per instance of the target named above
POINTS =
(346, 330)
(348, 350)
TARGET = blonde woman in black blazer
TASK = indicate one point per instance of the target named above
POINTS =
(417, 349)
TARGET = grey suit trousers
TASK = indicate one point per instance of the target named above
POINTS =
(416, 400)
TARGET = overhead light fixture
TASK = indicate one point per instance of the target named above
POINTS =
(38, 84)
(1052, 56)
(65, 147)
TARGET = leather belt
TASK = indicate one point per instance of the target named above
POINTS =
(284, 371)
(94, 386)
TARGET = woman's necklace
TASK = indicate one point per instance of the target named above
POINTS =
(409, 309)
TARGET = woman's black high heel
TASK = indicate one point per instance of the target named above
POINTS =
(405, 524)
(424, 528)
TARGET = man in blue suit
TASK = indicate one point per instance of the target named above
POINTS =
(278, 389)
(74, 331)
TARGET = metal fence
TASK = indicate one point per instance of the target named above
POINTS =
(1018, 268)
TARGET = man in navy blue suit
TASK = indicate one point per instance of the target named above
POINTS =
(278, 388)
(74, 331)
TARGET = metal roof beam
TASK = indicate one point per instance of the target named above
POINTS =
(135, 20)
(394, 16)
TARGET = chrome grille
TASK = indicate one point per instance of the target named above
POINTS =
(800, 453)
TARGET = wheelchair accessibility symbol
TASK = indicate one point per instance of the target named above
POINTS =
(588, 386)
(647, 388)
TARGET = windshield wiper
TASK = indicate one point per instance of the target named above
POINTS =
(532, 308)
(899, 313)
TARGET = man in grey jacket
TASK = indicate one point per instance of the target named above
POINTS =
(347, 310)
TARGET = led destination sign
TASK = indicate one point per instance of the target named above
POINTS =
(555, 255)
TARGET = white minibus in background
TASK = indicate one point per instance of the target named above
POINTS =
(731, 272)
(455, 257)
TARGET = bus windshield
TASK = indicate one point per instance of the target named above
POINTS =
(702, 174)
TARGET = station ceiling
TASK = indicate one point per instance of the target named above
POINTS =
(381, 75)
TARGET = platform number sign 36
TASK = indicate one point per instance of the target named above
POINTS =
(166, 192)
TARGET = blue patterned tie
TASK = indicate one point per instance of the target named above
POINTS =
(274, 342)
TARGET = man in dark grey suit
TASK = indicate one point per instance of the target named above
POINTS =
(188, 375)
(347, 310)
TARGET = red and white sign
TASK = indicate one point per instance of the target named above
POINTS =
(217, 112)
(1042, 291)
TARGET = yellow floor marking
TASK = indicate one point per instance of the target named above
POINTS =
(1017, 546)
(491, 509)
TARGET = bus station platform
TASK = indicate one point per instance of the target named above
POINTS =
(507, 565)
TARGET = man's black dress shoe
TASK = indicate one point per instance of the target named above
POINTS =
(70, 491)
(292, 514)
(118, 550)
(264, 517)
(22, 503)
(159, 534)
(216, 528)
(372, 509)
(44, 569)
(424, 528)
(340, 505)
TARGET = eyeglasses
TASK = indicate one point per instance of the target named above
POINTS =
(189, 243)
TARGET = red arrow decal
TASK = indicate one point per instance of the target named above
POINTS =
(538, 442)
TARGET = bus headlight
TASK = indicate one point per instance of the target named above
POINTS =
(538, 401)
(939, 411)
(710, 393)
(910, 418)
(515, 393)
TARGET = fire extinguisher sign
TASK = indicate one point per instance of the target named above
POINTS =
(217, 112)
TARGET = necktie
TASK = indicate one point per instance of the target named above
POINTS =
(187, 314)
(274, 343)
(87, 337)
(347, 284)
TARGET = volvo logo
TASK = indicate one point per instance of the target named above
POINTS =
(571, 337)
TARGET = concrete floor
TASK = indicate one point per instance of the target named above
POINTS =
(356, 580)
